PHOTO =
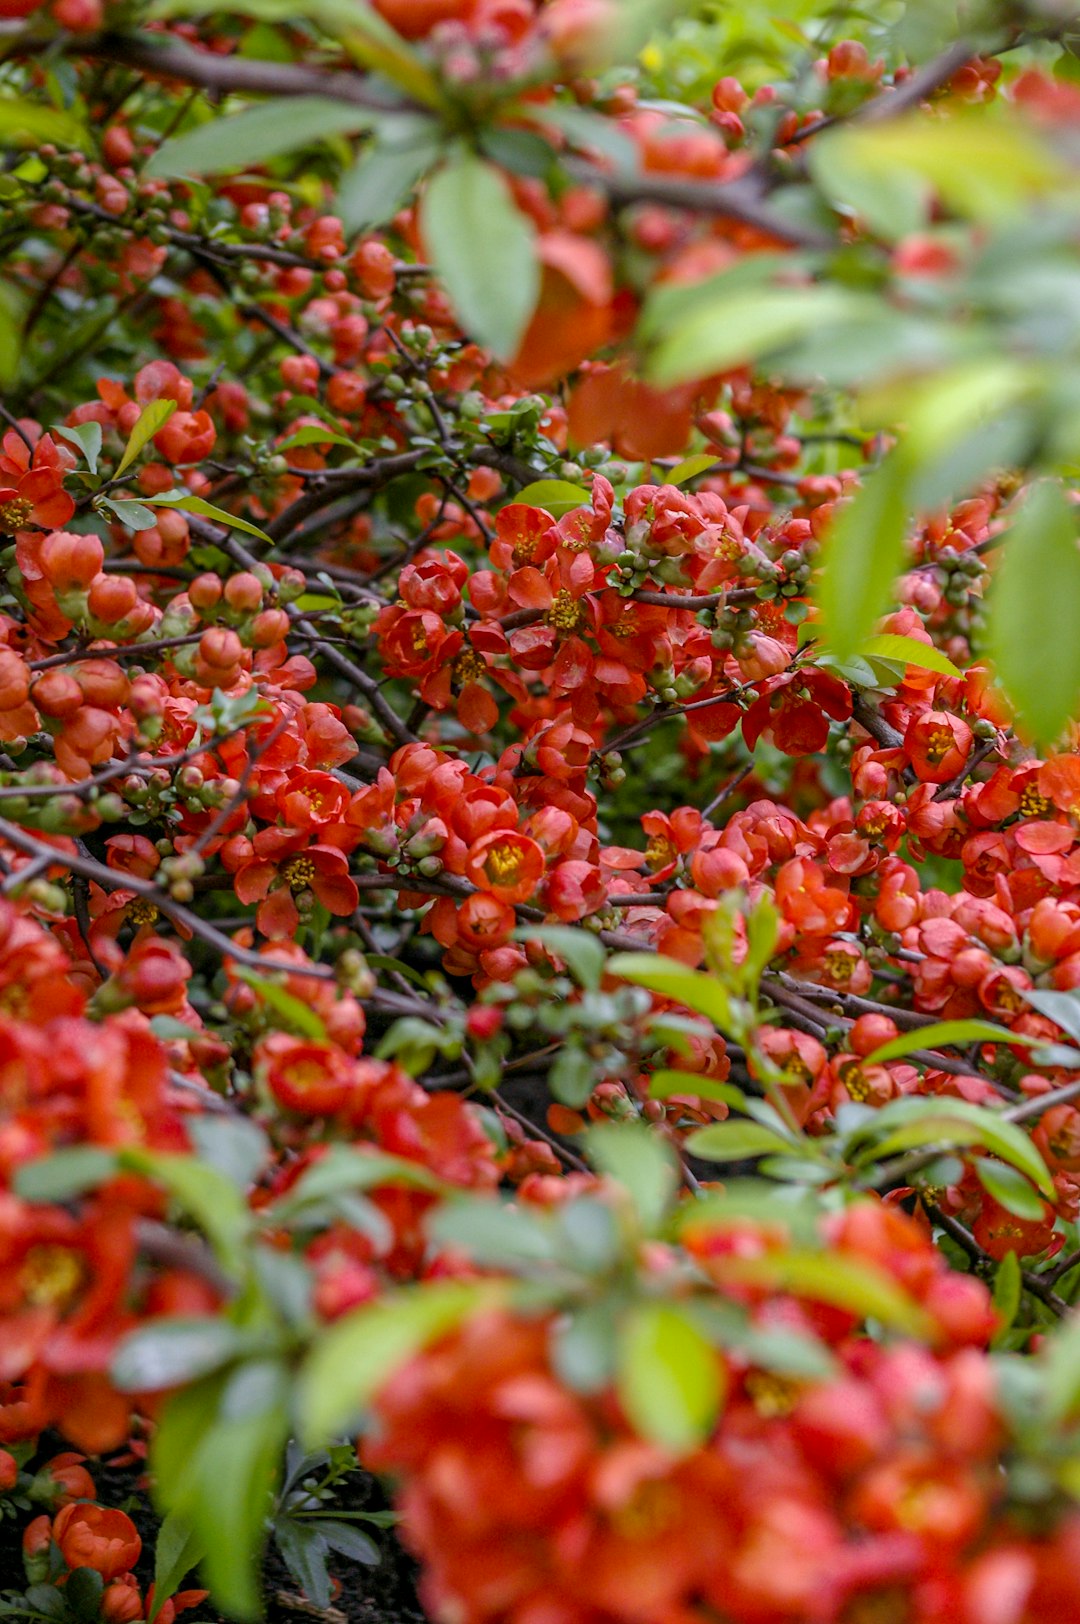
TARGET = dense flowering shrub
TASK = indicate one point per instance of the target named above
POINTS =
(540, 809)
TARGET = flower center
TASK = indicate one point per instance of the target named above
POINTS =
(15, 513)
(938, 745)
(503, 864)
(142, 911)
(839, 966)
(1032, 804)
(469, 667)
(566, 613)
(298, 873)
(772, 1395)
(855, 1081)
(51, 1276)
(660, 850)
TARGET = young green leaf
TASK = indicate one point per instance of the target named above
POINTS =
(177, 1549)
(253, 136)
(154, 415)
(739, 327)
(484, 250)
(65, 1173)
(558, 496)
(293, 1011)
(735, 1142)
(384, 177)
(844, 1282)
(941, 1034)
(643, 1163)
(671, 979)
(358, 1353)
(670, 1379)
(862, 556)
(582, 953)
(891, 646)
(1035, 611)
(206, 510)
(1010, 1189)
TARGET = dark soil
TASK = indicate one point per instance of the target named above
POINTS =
(385, 1594)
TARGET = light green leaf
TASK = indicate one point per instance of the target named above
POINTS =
(891, 646)
(213, 1200)
(690, 467)
(665, 1084)
(87, 436)
(1008, 1291)
(154, 415)
(670, 1379)
(583, 954)
(484, 250)
(384, 178)
(939, 1035)
(956, 1122)
(1010, 1189)
(134, 515)
(28, 124)
(743, 327)
(1034, 621)
(1063, 1008)
(341, 1171)
(359, 1353)
(643, 1163)
(735, 1142)
(177, 1549)
(862, 556)
(172, 1351)
(207, 510)
(258, 133)
(558, 496)
(670, 979)
(858, 179)
(494, 1234)
(844, 1282)
(313, 434)
(67, 1172)
(293, 1011)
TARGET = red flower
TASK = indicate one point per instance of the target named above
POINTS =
(32, 484)
(507, 864)
(938, 745)
(280, 867)
(97, 1537)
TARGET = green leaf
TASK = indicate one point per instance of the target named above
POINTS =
(207, 510)
(358, 1353)
(82, 1593)
(671, 979)
(12, 305)
(234, 1145)
(383, 180)
(855, 178)
(1010, 1188)
(484, 251)
(691, 467)
(558, 496)
(87, 436)
(670, 1379)
(665, 1084)
(735, 1142)
(65, 1173)
(153, 416)
(258, 133)
(862, 556)
(173, 1351)
(849, 1283)
(583, 955)
(956, 1122)
(29, 124)
(313, 434)
(342, 1170)
(295, 1014)
(891, 646)
(743, 327)
(213, 1200)
(304, 1550)
(589, 131)
(494, 1234)
(177, 1549)
(1060, 1359)
(135, 515)
(573, 1076)
(643, 1163)
(1034, 614)
(1063, 1008)
(939, 1035)
(1008, 1291)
